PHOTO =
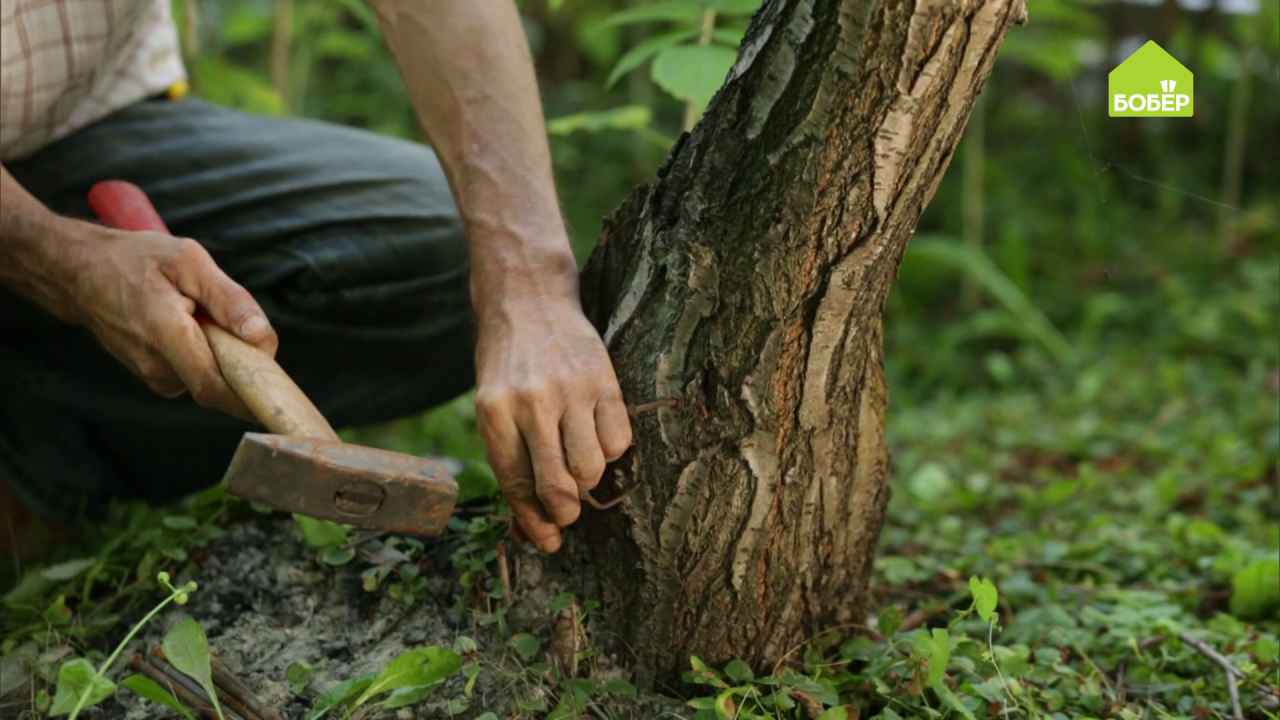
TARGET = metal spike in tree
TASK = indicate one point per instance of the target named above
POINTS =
(748, 282)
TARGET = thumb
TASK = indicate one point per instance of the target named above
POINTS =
(230, 305)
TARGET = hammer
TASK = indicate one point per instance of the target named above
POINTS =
(303, 467)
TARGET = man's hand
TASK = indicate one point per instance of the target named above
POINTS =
(137, 292)
(549, 409)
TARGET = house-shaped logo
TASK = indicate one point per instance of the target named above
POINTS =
(1150, 83)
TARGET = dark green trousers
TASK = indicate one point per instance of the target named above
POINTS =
(350, 241)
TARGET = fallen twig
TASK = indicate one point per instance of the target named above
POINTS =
(181, 686)
(504, 573)
(232, 692)
(1230, 670)
(228, 683)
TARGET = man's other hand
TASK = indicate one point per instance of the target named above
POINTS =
(549, 409)
(138, 293)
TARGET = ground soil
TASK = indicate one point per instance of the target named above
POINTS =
(266, 602)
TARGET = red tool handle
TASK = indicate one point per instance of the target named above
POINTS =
(123, 205)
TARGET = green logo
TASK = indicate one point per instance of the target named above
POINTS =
(1150, 83)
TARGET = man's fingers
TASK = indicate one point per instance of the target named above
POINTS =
(183, 345)
(556, 488)
(510, 462)
(582, 452)
(614, 427)
(534, 526)
(196, 275)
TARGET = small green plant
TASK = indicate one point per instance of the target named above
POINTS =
(187, 649)
(330, 540)
(81, 686)
(739, 693)
(405, 681)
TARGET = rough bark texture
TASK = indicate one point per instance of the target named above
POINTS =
(748, 282)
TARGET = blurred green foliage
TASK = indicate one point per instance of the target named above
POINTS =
(1105, 225)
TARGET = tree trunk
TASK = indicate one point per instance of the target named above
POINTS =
(748, 283)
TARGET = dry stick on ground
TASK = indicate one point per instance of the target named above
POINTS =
(233, 693)
(231, 706)
(1231, 671)
(179, 685)
(228, 682)
(504, 573)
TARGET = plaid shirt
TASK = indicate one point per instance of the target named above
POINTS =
(67, 63)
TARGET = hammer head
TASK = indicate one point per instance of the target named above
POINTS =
(360, 486)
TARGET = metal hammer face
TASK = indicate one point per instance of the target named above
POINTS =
(361, 486)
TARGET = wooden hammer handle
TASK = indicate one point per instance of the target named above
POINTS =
(264, 387)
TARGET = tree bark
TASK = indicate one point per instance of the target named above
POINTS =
(748, 283)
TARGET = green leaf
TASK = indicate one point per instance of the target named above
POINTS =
(835, 713)
(693, 72)
(234, 86)
(560, 602)
(406, 696)
(978, 267)
(727, 36)
(321, 533)
(1255, 589)
(149, 689)
(702, 674)
(337, 556)
(619, 687)
(525, 645)
(187, 649)
(339, 695)
(362, 12)
(420, 666)
(950, 698)
(939, 654)
(674, 11)
(739, 672)
(889, 621)
(725, 708)
(298, 675)
(77, 678)
(733, 7)
(985, 597)
(31, 587)
(67, 570)
(572, 705)
(636, 56)
(179, 522)
(1266, 649)
(627, 117)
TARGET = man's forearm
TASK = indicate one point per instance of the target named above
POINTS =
(548, 403)
(469, 73)
(34, 249)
